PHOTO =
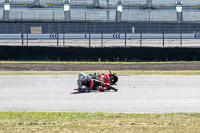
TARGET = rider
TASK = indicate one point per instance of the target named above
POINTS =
(85, 80)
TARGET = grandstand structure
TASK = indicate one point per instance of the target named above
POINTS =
(97, 16)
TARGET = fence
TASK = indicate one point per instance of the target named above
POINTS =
(100, 34)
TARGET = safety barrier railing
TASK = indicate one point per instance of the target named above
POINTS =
(100, 35)
(102, 40)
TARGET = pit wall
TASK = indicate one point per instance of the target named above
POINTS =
(99, 54)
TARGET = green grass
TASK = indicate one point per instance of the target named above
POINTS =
(97, 62)
(125, 72)
(26, 122)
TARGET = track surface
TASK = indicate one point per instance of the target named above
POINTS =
(137, 94)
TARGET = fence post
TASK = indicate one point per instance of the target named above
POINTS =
(125, 39)
(57, 39)
(163, 39)
(22, 36)
(181, 43)
(140, 34)
(102, 35)
(57, 35)
(89, 40)
(163, 29)
(63, 34)
(101, 39)
(27, 34)
(125, 30)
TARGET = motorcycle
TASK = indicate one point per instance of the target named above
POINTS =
(106, 80)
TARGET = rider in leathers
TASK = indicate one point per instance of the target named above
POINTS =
(85, 80)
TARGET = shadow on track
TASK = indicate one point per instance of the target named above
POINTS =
(93, 91)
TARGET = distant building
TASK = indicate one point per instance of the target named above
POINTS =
(96, 16)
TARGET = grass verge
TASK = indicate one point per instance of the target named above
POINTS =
(12, 122)
(97, 62)
(126, 72)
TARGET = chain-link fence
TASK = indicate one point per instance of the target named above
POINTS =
(100, 34)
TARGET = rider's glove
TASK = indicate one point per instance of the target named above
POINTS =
(79, 89)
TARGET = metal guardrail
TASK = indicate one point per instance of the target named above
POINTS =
(99, 36)
(102, 40)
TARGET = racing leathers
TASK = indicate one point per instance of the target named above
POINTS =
(84, 80)
(90, 84)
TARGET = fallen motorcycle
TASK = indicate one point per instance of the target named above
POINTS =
(100, 82)
(110, 87)
(105, 80)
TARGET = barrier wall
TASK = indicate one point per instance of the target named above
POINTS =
(163, 15)
(135, 15)
(112, 2)
(93, 54)
(188, 16)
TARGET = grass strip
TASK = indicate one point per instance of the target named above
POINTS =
(24, 122)
(97, 62)
(126, 72)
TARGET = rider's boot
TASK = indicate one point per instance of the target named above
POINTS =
(88, 90)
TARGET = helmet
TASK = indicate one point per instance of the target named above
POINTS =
(82, 77)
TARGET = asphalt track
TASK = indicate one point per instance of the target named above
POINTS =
(137, 94)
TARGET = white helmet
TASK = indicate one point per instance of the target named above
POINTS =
(82, 77)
